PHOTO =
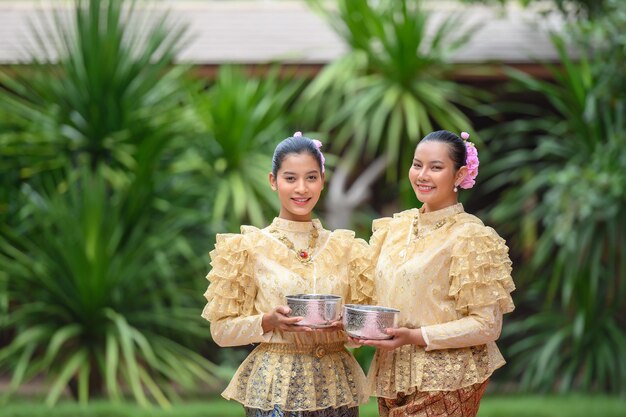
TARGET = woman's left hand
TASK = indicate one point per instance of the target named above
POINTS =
(401, 336)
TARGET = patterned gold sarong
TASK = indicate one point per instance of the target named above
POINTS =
(327, 412)
(463, 402)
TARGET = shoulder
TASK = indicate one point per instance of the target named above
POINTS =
(343, 234)
(381, 224)
(470, 230)
(249, 230)
(346, 238)
(385, 223)
(236, 242)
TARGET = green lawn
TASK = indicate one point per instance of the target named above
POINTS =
(492, 406)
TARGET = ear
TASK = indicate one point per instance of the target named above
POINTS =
(323, 177)
(272, 181)
(460, 175)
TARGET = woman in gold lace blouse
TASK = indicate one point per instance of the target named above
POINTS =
(295, 371)
(450, 277)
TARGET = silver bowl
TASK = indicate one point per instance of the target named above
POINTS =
(369, 322)
(316, 310)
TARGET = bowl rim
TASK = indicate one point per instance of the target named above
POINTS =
(312, 297)
(378, 309)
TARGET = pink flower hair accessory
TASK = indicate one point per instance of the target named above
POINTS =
(318, 144)
(471, 162)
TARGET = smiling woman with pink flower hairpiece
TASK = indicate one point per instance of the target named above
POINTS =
(450, 277)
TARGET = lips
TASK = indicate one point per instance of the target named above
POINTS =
(423, 188)
(301, 201)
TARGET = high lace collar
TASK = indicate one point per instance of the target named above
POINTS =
(435, 216)
(293, 226)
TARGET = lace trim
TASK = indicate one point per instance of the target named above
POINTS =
(432, 217)
(231, 292)
(480, 270)
(410, 368)
(297, 381)
(361, 271)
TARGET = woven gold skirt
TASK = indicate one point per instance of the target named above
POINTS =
(327, 412)
(463, 402)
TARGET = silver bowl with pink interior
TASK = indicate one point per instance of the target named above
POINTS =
(316, 310)
(369, 322)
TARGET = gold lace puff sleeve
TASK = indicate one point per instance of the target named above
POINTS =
(480, 270)
(361, 273)
(380, 227)
(231, 292)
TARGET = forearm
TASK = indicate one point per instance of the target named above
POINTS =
(483, 325)
(239, 331)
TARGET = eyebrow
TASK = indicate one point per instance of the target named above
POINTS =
(432, 162)
(293, 173)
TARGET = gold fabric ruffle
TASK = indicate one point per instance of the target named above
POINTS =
(325, 376)
(232, 291)
(410, 368)
(361, 268)
(480, 270)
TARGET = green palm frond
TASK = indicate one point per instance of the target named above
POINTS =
(91, 305)
(236, 124)
(391, 88)
(107, 92)
(562, 171)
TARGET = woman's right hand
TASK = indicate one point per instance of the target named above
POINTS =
(278, 319)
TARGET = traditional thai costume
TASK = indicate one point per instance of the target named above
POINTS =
(289, 373)
(449, 275)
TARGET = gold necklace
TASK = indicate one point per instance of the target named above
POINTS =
(303, 255)
(419, 234)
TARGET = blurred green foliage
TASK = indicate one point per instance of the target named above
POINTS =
(97, 273)
(96, 300)
(561, 168)
(117, 168)
(392, 86)
(233, 125)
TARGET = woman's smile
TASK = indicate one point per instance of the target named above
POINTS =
(424, 189)
(301, 201)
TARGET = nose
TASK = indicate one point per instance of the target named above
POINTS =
(300, 186)
(421, 173)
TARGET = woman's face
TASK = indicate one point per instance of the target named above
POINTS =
(433, 175)
(299, 183)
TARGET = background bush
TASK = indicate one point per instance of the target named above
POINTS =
(118, 167)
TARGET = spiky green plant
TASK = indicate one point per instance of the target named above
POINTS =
(563, 171)
(391, 87)
(100, 305)
(99, 84)
(234, 126)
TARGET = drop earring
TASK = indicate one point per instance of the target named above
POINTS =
(455, 189)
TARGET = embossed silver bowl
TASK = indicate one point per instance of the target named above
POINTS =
(317, 310)
(369, 322)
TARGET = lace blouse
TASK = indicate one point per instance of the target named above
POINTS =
(251, 273)
(450, 275)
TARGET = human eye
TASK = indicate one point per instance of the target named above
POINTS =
(417, 164)
(312, 177)
(290, 179)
